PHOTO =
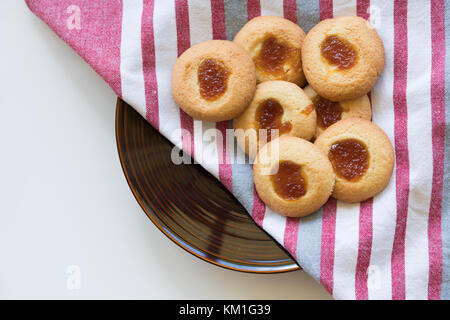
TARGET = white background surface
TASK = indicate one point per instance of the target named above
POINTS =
(65, 201)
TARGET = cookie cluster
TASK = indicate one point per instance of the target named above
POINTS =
(284, 89)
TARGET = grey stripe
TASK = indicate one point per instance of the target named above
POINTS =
(446, 191)
(310, 228)
(243, 182)
(235, 16)
(242, 176)
(307, 14)
(309, 242)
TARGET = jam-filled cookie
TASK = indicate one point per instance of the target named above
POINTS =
(362, 157)
(275, 44)
(342, 58)
(292, 176)
(278, 105)
(329, 112)
(214, 80)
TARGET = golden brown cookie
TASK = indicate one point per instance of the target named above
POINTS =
(362, 157)
(214, 80)
(329, 112)
(275, 44)
(292, 176)
(278, 105)
(342, 58)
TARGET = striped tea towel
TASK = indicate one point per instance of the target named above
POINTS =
(394, 246)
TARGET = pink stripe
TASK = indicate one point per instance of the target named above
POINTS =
(365, 213)
(183, 43)
(292, 224)
(148, 61)
(253, 9)
(364, 249)
(291, 235)
(326, 9)
(290, 10)
(258, 210)
(401, 147)
(219, 32)
(327, 245)
(218, 19)
(362, 9)
(182, 21)
(329, 209)
(97, 43)
(225, 170)
(438, 140)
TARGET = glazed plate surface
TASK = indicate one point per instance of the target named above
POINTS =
(189, 205)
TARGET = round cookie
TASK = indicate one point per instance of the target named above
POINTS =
(214, 80)
(292, 176)
(329, 112)
(275, 44)
(362, 157)
(342, 58)
(278, 105)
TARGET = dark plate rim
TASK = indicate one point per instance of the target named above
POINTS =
(255, 270)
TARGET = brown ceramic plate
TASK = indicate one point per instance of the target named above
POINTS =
(189, 205)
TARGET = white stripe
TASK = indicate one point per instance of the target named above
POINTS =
(205, 141)
(384, 210)
(346, 249)
(271, 8)
(344, 8)
(131, 70)
(274, 224)
(200, 21)
(165, 30)
(347, 215)
(420, 149)
(200, 24)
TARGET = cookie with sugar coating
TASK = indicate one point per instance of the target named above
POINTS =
(362, 157)
(214, 80)
(342, 58)
(329, 112)
(292, 176)
(277, 105)
(275, 44)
